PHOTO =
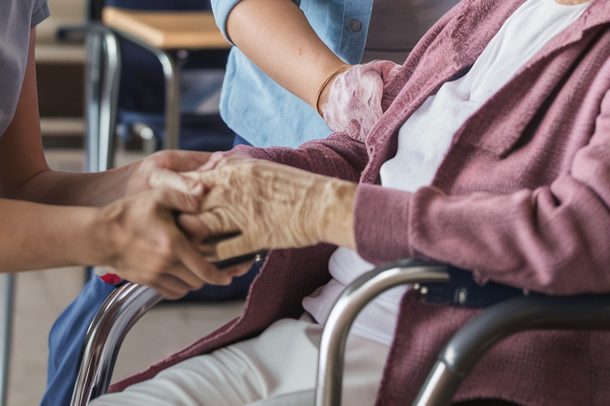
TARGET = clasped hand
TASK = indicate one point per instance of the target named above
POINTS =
(354, 103)
(268, 206)
(138, 237)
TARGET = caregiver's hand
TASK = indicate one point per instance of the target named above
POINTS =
(271, 205)
(175, 160)
(138, 237)
(352, 101)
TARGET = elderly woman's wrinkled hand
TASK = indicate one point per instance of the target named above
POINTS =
(269, 205)
(354, 99)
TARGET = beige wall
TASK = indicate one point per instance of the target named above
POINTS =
(63, 12)
(59, 69)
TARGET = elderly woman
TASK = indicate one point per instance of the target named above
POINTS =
(492, 154)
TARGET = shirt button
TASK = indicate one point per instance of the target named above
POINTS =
(355, 25)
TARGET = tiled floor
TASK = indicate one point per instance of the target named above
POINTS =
(42, 295)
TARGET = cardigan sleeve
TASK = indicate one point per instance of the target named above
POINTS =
(553, 239)
(338, 156)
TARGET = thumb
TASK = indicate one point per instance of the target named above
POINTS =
(170, 179)
(193, 227)
(173, 199)
(206, 179)
(211, 163)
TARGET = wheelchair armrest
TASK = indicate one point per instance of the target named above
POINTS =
(467, 346)
(539, 312)
(584, 312)
(353, 299)
(127, 304)
(123, 308)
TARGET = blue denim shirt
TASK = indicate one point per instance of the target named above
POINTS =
(264, 113)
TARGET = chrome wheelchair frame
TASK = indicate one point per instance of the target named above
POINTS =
(583, 312)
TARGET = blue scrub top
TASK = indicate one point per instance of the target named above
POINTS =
(264, 113)
(17, 17)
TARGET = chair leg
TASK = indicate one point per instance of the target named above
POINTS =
(7, 282)
(108, 101)
(101, 97)
(102, 76)
(171, 64)
(93, 71)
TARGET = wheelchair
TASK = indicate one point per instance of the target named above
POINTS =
(460, 354)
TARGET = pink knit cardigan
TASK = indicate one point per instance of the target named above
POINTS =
(522, 198)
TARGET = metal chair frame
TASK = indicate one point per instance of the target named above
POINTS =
(7, 289)
(103, 72)
(123, 308)
(584, 312)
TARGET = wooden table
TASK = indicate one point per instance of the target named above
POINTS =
(168, 30)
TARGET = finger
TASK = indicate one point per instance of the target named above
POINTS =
(176, 160)
(162, 178)
(239, 270)
(193, 227)
(207, 179)
(183, 273)
(206, 250)
(218, 222)
(175, 200)
(198, 265)
(188, 160)
(170, 286)
(212, 162)
(236, 246)
(231, 271)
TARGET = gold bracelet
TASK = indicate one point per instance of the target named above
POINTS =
(336, 72)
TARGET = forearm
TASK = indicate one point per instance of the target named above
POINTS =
(78, 189)
(63, 236)
(99, 189)
(276, 37)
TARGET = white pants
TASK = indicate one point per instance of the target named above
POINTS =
(278, 367)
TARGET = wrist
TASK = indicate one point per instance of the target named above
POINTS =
(324, 88)
(83, 235)
(104, 234)
(135, 177)
(337, 220)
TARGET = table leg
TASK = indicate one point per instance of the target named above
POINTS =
(172, 64)
(93, 69)
(108, 101)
